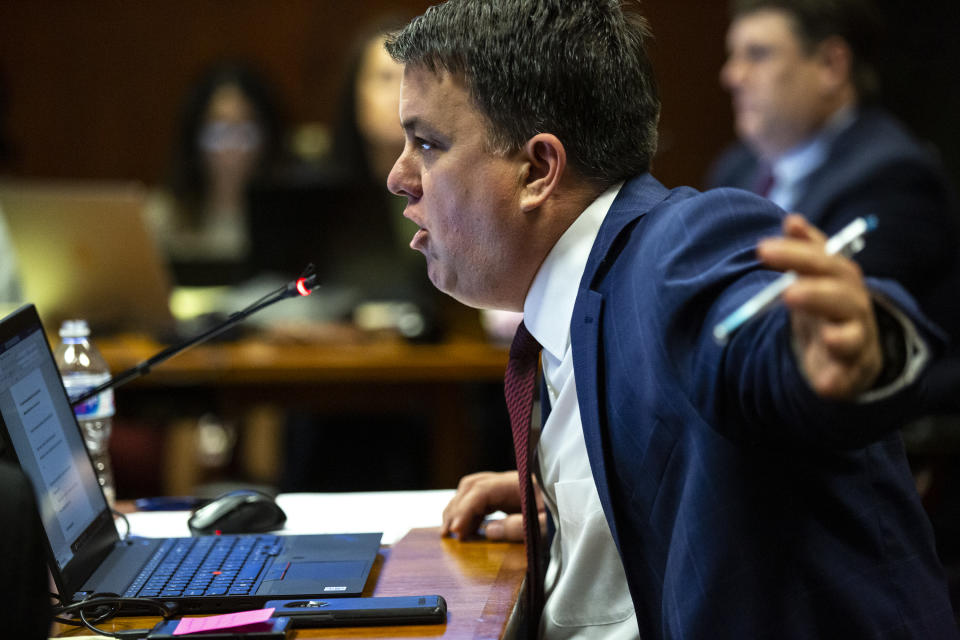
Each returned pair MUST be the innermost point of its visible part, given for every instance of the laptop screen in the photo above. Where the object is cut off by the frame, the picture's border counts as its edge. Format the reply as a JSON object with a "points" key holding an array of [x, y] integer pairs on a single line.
{"points": [[43, 432]]}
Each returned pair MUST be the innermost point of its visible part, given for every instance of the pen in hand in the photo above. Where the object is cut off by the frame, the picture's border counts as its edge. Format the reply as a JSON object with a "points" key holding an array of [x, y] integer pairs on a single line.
{"points": [[846, 242]]}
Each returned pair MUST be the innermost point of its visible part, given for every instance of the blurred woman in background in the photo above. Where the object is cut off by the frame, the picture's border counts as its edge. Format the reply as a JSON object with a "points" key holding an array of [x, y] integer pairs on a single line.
{"points": [[230, 137]]}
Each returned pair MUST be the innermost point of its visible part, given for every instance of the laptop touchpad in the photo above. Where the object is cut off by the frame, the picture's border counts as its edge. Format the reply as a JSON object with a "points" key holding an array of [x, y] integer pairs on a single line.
{"points": [[336, 577]]}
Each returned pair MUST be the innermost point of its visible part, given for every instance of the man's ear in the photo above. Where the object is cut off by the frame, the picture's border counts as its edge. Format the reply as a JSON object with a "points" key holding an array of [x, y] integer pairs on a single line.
{"points": [[836, 60], [546, 162]]}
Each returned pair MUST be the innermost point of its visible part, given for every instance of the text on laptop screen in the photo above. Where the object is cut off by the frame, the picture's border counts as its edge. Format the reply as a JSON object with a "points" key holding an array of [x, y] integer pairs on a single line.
{"points": [[47, 441]]}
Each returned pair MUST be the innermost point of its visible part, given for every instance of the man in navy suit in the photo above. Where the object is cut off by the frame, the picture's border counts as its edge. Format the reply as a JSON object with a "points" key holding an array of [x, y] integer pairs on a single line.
{"points": [[755, 488]]}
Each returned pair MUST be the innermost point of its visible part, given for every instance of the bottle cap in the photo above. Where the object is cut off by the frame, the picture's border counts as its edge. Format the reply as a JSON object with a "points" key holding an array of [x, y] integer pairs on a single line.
{"points": [[74, 329]]}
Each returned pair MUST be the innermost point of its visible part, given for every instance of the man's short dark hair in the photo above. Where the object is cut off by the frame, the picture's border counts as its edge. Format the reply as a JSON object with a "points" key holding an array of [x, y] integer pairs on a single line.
{"points": [[855, 21], [575, 68]]}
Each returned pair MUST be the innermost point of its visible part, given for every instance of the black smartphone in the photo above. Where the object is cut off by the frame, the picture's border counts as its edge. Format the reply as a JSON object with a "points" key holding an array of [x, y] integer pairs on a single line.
{"points": [[348, 612], [273, 629]]}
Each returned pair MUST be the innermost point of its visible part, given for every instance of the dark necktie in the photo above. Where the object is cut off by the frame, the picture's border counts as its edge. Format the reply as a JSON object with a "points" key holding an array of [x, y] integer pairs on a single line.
{"points": [[519, 384], [763, 183]]}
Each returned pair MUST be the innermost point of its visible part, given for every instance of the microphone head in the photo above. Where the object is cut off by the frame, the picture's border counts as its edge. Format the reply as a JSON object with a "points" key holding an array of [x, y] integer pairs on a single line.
{"points": [[305, 284], [304, 288]]}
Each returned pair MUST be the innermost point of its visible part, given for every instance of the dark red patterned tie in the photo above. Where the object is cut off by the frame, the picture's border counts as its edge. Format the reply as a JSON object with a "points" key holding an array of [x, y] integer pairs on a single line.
{"points": [[519, 384], [764, 181]]}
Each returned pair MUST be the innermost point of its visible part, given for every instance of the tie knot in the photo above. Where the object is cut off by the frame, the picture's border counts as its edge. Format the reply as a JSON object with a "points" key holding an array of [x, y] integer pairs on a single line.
{"points": [[524, 347]]}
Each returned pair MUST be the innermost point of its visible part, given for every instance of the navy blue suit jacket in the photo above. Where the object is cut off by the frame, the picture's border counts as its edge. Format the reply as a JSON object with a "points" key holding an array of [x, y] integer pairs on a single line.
{"points": [[875, 167], [742, 504]]}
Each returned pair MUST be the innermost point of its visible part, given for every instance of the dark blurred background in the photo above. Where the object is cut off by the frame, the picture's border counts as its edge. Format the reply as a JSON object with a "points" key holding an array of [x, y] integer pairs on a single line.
{"points": [[88, 88]]}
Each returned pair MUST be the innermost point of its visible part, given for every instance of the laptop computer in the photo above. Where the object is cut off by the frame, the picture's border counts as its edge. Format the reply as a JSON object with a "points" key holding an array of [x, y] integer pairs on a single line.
{"points": [[85, 553], [84, 251]]}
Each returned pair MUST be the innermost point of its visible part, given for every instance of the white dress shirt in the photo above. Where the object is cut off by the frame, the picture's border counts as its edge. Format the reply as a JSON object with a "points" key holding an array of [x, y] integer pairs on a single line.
{"points": [[586, 587]]}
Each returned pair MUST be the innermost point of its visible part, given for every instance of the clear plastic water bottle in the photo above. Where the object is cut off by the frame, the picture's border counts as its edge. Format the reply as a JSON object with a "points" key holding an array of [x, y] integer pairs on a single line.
{"points": [[83, 368]]}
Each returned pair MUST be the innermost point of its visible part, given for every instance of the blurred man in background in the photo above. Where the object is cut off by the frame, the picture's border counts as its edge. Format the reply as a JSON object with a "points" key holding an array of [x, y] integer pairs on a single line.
{"points": [[805, 90], [813, 140]]}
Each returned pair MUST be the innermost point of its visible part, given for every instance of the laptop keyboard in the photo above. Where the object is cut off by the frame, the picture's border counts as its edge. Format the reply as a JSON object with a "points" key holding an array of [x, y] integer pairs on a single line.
{"points": [[205, 566]]}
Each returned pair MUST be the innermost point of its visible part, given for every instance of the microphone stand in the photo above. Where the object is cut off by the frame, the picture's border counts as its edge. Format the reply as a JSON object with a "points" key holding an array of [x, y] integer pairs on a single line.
{"points": [[302, 286]]}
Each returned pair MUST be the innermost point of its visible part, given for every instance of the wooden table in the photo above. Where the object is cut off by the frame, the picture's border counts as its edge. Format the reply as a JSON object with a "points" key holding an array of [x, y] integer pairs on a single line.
{"points": [[481, 582], [369, 359], [373, 375]]}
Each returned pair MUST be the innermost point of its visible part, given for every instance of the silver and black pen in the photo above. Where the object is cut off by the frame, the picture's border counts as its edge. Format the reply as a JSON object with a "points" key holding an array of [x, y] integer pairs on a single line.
{"points": [[847, 242]]}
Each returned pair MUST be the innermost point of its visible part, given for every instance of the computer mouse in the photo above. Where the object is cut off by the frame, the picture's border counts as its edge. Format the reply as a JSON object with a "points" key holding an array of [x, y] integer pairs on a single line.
{"points": [[242, 511]]}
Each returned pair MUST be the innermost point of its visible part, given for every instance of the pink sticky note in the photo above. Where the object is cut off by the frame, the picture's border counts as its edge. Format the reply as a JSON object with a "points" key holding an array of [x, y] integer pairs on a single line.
{"points": [[224, 621]]}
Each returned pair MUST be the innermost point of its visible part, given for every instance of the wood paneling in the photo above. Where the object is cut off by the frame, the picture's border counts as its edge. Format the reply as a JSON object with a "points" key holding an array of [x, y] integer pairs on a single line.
{"points": [[94, 85]]}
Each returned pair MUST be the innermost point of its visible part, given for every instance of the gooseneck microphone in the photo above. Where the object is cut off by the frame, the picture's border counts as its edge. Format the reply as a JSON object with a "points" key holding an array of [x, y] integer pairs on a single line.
{"points": [[302, 286]]}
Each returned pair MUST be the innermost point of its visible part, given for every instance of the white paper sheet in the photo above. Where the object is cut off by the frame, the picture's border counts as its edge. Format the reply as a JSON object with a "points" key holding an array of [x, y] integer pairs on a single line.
{"points": [[392, 512]]}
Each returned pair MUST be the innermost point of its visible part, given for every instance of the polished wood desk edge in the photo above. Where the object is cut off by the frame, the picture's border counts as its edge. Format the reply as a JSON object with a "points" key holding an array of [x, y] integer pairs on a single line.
{"points": [[499, 607], [500, 617]]}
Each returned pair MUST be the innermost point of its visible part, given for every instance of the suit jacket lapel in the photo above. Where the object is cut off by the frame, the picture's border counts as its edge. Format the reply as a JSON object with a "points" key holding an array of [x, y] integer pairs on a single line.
{"points": [[635, 198], [833, 174]]}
